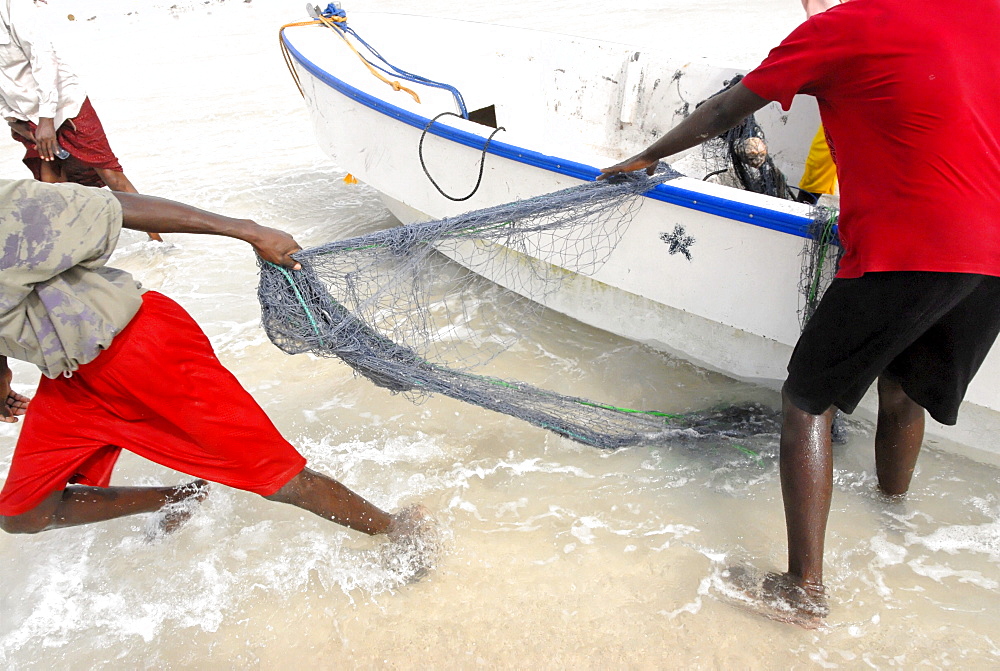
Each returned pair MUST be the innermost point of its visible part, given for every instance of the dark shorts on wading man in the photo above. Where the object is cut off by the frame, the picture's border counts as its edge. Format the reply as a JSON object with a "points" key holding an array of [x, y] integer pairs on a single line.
{"points": [[928, 331]]}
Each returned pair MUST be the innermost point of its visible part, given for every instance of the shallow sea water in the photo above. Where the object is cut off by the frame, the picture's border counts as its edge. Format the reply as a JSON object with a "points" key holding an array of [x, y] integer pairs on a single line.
{"points": [[555, 555]]}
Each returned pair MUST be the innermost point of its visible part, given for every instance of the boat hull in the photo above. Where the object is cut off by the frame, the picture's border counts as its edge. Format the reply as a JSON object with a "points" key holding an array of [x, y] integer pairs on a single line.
{"points": [[733, 308]]}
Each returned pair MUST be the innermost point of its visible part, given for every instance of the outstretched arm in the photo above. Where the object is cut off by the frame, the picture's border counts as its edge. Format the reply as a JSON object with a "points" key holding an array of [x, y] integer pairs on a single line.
{"points": [[713, 118], [159, 215]]}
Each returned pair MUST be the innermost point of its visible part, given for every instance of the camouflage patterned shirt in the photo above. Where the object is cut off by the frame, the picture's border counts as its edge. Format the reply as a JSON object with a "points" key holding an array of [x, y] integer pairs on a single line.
{"points": [[59, 304]]}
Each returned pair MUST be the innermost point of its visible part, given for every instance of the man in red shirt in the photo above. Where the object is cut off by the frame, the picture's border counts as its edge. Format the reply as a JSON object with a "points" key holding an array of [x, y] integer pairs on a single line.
{"points": [[908, 91]]}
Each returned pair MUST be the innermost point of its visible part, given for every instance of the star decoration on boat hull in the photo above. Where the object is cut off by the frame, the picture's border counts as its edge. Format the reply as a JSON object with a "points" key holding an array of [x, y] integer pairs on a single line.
{"points": [[680, 242]]}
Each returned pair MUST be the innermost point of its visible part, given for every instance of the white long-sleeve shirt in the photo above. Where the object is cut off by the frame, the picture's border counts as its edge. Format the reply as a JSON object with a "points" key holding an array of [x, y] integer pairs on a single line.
{"points": [[34, 82]]}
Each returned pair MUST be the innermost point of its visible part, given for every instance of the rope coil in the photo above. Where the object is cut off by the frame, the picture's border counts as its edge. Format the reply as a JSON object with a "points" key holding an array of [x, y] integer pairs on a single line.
{"points": [[482, 158]]}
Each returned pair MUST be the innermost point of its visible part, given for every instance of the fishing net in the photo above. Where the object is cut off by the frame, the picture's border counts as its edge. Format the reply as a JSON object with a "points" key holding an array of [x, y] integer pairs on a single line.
{"points": [[820, 259], [740, 154], [740, 158], [408, 308]]}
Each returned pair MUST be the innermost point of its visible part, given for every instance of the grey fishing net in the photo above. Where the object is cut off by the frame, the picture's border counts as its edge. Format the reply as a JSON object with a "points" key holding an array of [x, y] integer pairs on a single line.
{"points": [[740, 157], [408, 307], [820, 259]]}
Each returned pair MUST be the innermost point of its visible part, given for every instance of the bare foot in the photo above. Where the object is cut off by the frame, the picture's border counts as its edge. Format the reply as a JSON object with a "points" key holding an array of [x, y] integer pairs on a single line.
{"points": [[409, 521], [414, 543], [182, 502], [778, 596]]}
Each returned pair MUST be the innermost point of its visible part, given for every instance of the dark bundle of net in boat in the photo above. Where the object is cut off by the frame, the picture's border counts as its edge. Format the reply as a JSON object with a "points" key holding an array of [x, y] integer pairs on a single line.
{"points": [[409, 308], [741, 154]]}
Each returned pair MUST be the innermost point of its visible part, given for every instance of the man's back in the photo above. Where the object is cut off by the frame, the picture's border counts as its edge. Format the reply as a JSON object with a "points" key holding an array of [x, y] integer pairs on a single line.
{"points": [[908, 91]]}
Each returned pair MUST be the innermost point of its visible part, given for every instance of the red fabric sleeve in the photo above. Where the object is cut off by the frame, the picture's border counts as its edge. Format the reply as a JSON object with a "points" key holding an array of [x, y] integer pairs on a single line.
{"points": [[801, 63]]}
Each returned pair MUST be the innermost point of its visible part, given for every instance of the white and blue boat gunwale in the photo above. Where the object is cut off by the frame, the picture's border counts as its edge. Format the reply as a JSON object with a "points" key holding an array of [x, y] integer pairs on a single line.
{"points": [[774, 219]]}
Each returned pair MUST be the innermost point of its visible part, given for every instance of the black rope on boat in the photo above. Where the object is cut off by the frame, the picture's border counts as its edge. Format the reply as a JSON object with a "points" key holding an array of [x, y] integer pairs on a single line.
{"points": [[482, 159]]}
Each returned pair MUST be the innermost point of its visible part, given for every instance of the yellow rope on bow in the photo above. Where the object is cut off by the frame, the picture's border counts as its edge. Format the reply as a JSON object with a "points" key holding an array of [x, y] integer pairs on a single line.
{"points": [[331, 23]]}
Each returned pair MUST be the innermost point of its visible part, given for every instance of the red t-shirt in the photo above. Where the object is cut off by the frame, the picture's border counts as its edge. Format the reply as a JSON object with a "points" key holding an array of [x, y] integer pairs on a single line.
{"points": [[909, 92]]}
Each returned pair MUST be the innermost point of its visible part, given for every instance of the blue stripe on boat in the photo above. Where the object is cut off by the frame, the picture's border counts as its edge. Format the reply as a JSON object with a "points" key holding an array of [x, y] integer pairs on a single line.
{"points": [[694, 200]]}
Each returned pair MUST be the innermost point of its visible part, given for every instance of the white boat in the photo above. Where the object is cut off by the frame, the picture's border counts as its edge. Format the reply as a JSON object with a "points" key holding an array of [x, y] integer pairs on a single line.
{"points": [[568, 106]]}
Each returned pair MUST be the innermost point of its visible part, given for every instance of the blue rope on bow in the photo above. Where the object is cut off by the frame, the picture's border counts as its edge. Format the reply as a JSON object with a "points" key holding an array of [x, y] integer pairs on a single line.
{"points": [[332, 10]]}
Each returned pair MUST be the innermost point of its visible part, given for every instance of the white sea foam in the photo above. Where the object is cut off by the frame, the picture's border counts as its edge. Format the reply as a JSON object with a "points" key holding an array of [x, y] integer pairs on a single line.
{"points": [[979, 538]]}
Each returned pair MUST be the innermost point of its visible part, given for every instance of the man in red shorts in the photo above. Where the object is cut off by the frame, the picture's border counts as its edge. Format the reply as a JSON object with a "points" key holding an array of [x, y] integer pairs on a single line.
{"points": [[48, 110], [907, 91], [123, 369]]}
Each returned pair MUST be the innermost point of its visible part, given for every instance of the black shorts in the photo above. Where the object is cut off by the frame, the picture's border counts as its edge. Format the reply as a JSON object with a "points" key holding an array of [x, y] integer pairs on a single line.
{"points": [[928, 331]]}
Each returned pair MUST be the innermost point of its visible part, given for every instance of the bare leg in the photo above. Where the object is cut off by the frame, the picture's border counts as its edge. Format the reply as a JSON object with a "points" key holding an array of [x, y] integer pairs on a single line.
{"points": [[50, 173], [85, 505], [117, 181], [806, 487], [331, 500], [412, 533], [898, 436], [806, 463]]}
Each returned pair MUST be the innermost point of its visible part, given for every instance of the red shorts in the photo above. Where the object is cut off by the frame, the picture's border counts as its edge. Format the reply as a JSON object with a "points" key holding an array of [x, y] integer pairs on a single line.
{"points": [[84, 138], [160, 392]]}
